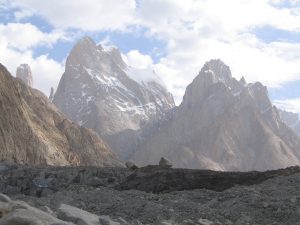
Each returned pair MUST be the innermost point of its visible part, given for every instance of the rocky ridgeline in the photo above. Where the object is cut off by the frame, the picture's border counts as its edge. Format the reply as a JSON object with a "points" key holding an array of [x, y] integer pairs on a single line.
{"points": [[148, 195], [34, 131], [291, 119]]}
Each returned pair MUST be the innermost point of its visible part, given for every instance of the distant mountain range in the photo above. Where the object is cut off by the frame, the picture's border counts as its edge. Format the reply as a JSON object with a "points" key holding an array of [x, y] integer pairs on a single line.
{"points": [[222, 123]]}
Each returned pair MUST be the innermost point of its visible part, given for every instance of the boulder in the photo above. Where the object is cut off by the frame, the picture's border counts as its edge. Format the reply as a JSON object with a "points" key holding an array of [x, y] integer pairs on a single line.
{"points": [[77, 216], [4, 198], [131, 165], [20, 213], [164, 162]]}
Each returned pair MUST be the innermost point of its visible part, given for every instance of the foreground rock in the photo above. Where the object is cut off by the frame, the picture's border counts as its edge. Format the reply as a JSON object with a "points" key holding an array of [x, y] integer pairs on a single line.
{"points": [[187, 197], [34, 131], [165, 163], [19, 212], [77, 216]]}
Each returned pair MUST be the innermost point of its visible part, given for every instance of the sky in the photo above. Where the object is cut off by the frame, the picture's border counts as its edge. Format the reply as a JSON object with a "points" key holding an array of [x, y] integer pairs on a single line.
{"points": [[258, 39]]}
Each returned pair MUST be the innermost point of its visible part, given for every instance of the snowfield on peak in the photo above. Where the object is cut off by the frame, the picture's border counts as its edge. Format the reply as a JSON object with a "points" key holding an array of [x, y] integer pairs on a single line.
{"points": [[143, 76]]}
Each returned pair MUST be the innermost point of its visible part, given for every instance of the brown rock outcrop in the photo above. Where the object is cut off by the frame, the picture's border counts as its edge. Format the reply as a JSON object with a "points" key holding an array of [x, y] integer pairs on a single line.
{"points": [[33, 131]]}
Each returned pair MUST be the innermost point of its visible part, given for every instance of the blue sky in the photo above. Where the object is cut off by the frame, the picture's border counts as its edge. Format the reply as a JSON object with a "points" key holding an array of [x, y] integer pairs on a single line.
{"points": [[258, 39], [271, 34]]}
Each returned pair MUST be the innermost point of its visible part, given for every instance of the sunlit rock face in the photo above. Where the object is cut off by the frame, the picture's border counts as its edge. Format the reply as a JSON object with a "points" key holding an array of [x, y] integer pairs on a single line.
{"points": [[33, 131]]}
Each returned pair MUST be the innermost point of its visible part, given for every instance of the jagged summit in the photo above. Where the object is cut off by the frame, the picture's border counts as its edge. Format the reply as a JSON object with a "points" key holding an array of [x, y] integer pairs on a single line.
{"points": [[215, 76], [86, 41], [115, 53], [243, 81], [218, 70], [87, 55]]}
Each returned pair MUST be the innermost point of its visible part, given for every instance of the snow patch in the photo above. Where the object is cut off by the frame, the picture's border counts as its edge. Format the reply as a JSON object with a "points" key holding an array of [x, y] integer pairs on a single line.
{"points": [[209, 71], [141, 110], [143, 76]]}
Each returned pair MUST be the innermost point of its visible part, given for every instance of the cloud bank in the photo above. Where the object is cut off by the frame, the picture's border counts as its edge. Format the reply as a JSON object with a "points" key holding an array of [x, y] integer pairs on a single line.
{"points": [[194, 32]]}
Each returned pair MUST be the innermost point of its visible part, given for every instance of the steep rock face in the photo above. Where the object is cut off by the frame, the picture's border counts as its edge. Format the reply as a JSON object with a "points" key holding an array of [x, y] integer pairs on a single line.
{"points": [[24, 73], [33, 131], [99, 91], [291, 119], [222, 124]]}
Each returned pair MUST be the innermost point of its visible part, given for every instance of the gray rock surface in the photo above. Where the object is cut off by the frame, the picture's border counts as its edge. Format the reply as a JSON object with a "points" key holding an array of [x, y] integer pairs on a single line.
{"points": [[222, 124], [99, 91], [20, 213], [189, 196], [77, 216], [24, 73], [34, 131], [291, 119]]}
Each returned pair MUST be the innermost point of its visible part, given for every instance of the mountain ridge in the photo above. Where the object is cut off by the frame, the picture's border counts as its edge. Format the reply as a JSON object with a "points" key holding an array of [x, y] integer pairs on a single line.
{"points": [[33, 131], [222, 124], [97, 91]]}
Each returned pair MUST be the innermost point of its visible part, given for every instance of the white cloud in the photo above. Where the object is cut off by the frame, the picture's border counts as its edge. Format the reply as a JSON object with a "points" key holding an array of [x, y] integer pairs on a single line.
{"points": [[46, 72], [195, 31], [23, 36], [106, 43], [290, 105], [17, 42], [92, 15], [138, 60]]}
